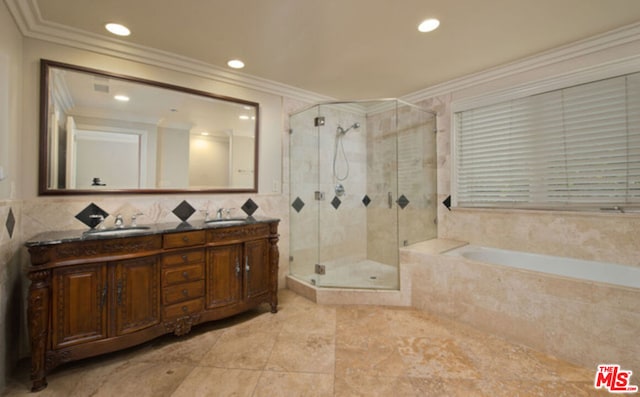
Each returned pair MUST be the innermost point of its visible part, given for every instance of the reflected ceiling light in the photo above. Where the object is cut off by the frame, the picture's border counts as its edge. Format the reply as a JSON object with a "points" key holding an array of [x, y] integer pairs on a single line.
{"points": [[204, 133], [244, 117], [429, 25], [121, 98], [118, 29], [236, 64]]}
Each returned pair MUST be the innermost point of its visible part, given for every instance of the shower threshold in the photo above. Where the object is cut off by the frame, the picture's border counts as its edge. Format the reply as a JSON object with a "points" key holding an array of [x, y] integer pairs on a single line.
{"points": [[353, 282], [362, 274]]}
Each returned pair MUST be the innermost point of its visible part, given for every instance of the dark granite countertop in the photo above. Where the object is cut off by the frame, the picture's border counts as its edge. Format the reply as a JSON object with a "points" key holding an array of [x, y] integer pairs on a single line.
{"points": [[67, 236]]}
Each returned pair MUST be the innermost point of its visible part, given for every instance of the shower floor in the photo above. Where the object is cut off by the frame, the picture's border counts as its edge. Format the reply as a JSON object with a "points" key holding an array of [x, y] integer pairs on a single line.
{"points": [[362, 273]]}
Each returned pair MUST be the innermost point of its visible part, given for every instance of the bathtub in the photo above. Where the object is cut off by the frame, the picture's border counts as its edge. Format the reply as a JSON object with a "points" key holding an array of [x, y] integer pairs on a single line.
{"points": [[603, 272], [584, 312]]}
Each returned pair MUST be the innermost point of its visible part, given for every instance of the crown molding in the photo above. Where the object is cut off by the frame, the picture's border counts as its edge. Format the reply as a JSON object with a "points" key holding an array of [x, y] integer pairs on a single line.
{"points": [[626, 34], [31, 24]]}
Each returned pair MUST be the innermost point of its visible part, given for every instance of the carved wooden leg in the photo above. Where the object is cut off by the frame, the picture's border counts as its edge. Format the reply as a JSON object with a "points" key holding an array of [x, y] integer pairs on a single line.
{"points": [[275, 258], [38, 318]]}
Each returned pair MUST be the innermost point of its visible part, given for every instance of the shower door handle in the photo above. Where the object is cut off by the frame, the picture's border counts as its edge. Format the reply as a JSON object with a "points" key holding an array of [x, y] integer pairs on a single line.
{"points": [[390, 198]]}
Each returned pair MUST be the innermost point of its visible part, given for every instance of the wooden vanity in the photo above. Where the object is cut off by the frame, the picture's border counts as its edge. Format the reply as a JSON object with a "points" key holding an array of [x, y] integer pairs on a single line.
{"points": [[92, 296]]}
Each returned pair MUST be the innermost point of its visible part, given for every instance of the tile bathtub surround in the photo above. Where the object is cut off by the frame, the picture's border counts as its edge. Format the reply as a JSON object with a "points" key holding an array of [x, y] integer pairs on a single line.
{"points": [[584, 322], [313, 350]]}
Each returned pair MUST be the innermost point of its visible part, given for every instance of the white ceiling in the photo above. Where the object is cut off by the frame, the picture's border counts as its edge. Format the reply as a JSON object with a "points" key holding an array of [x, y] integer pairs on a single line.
{"points": [[350, 49]]}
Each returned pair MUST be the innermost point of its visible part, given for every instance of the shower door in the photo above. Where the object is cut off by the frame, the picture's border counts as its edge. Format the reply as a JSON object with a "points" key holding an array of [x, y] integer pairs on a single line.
{"points": [[304, 195], [362, 184], [357, 213]]}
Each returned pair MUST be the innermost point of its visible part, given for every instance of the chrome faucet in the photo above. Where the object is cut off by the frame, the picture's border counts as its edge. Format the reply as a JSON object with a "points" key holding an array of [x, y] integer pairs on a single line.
{"points": [[119, 222], [134, 219], [219, 213], [206, 214]]}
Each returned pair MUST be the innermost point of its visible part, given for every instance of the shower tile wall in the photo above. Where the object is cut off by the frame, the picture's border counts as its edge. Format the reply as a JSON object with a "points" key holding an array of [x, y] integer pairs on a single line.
{"points": [[342, 235], [415, 166], [303, 182], [417, 169], [338, 229]]}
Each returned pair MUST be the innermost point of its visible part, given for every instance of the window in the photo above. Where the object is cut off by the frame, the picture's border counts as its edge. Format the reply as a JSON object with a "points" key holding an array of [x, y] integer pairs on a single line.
{"points": [[574, 148]]}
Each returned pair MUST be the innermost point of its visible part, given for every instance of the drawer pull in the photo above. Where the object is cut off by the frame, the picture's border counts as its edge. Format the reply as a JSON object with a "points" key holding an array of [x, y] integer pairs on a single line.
{"points": [[185, 309], [184, 258], [185, 292], [185, 275], [185, 239]]}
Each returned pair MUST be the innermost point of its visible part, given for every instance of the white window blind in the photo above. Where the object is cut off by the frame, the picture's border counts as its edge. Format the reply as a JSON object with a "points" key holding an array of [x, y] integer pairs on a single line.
{"points": [[577, 147]]}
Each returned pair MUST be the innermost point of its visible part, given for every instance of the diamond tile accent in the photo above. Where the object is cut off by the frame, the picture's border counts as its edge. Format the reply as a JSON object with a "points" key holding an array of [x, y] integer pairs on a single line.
{"points": [[84, 216], [249, 207], [366, 200], [336, 202], [447, 202], [297, 204], [184, 210], [402, 201], [10, 223]]}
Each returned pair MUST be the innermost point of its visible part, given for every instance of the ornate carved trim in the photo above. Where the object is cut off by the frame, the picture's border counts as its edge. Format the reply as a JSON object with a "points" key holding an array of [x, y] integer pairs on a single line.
{"points": [[38, 316], [238, 232], [55, 358], [39, 255], [75, 250], [182, 325]]}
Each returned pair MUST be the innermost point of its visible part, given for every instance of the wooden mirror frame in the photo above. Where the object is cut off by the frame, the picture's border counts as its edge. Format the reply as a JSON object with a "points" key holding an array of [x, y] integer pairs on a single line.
{"points": [[44, 154]]}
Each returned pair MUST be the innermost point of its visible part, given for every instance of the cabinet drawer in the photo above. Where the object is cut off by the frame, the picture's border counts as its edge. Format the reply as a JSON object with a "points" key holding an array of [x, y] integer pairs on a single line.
{"points": [[183, 309], [183, 292], [185, 239], [181, 274], [183, 258]]}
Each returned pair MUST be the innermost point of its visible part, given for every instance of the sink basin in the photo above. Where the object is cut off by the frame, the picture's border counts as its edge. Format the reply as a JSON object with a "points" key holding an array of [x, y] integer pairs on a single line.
{"points": [[226, 222], [124, 231]]}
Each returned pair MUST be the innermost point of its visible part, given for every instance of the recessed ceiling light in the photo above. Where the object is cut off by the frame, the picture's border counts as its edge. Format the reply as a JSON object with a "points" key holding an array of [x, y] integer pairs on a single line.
{"points": [[121, 98], [118, 29], [243, 117], [236, 64], [204, 133], [429, 25]]}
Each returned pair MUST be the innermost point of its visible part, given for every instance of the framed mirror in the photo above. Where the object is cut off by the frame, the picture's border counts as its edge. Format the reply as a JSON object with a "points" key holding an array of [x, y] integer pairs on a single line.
{"points": [[107, 133]]}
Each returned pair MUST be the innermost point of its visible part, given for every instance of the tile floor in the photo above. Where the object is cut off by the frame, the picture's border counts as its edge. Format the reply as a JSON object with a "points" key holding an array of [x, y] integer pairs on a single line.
{"points": [[311, 350]]}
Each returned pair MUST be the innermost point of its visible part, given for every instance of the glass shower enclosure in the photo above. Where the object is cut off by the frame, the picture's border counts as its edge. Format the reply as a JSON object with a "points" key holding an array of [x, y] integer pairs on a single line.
{"points": [[362, 184]]}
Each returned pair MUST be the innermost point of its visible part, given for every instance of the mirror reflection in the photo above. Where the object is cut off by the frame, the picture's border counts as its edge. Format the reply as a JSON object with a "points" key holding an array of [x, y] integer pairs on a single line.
{"points": [[106, 133]]}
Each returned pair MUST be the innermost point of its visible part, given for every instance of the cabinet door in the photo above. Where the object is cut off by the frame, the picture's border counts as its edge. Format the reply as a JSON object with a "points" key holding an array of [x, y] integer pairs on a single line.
{"points": [[224, 275], [257, 274], [137, 294], [79, 304]]}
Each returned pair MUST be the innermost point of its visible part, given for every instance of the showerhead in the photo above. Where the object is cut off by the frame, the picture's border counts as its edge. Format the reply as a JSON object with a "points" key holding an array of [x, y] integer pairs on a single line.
{"points": [[343, 131]]}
